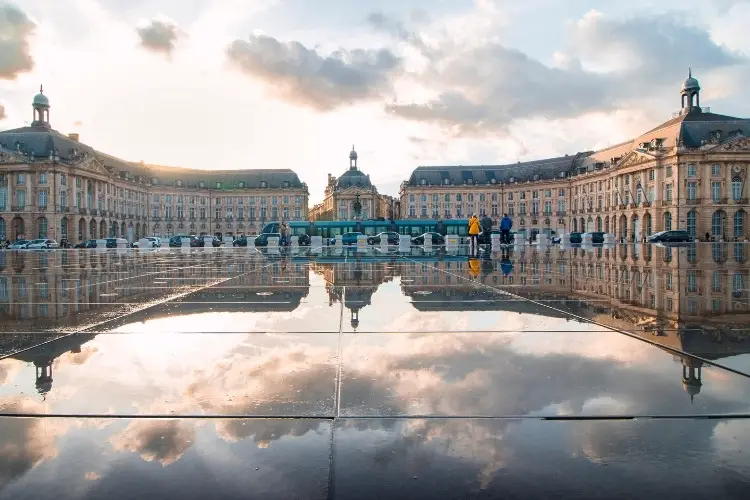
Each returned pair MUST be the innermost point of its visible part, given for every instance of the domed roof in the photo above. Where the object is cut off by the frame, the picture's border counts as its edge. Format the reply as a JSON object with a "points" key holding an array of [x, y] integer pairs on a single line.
{"points": [[353, 154], [353, 178], [40, 99], [691, 83]]}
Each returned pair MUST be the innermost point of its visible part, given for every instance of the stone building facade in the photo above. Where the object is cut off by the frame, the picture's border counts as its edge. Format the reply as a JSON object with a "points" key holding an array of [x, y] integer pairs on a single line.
{"points": [[342, 193], [52, 185], [688, 173]]}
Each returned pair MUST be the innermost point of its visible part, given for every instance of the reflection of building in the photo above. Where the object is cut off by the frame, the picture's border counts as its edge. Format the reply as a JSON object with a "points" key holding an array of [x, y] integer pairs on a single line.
{"points": [[54, 186], [690, 173], [352, 187]]}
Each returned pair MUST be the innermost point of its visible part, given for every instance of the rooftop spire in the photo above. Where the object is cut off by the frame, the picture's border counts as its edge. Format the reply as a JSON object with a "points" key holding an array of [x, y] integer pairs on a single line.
{"points": [[41, 88]]}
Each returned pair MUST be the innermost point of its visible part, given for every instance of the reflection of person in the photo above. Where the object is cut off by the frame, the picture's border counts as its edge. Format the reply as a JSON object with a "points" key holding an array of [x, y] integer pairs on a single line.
{"points": [[473, 233], [506, 266], [474, 267], [505, 226]]}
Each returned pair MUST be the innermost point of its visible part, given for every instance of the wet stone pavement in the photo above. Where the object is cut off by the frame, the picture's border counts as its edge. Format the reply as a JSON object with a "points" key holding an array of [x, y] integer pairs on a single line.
{"points": [[527, 373]]}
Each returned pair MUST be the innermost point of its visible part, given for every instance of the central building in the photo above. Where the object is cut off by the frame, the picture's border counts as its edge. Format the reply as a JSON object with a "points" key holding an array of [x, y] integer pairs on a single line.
{"points": [[352, 197]]}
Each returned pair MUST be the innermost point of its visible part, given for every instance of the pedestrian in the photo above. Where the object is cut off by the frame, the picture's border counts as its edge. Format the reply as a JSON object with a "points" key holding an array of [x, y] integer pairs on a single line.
{"points": [[486, 223], [473, 233], [505, 226], [282, 233]]}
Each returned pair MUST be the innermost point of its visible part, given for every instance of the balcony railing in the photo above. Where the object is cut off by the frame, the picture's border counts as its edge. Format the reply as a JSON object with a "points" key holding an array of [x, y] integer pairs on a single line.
{"points": [[666, 203], [18, 208], [561, 213], [81, 210], [693, 202], [646, 204], [740, 201], [719, 201]]}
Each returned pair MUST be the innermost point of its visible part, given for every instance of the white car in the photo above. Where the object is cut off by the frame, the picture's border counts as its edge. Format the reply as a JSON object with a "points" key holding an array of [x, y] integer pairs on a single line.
{"points": [[43, 243], [155, 242]]}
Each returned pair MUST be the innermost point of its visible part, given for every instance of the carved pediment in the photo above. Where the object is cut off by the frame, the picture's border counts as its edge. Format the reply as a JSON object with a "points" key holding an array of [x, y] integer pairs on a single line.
{"points": [[9, 157], [740, 144], [92, 165], [634, 158]]}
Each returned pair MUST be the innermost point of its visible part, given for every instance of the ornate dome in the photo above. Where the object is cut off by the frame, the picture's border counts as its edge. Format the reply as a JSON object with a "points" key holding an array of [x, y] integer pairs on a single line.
{"points": [[691, 83], [353, 154], [40, 99], [353, 178]]}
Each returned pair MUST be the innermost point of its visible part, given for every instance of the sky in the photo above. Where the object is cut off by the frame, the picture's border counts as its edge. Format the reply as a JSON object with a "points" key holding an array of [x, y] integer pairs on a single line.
{"points": [[229, 84]]}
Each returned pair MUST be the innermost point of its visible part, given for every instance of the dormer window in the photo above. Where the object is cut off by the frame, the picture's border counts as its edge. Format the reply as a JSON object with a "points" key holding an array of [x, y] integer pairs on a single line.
{"points": [[536, 177], [154, 181], [512, 179], [178, 183], [241, 184], [717, 135], [492, 181], [263, 184], [423, 182], [286, 184], [218, 185], [446, 181], [201, 184]]}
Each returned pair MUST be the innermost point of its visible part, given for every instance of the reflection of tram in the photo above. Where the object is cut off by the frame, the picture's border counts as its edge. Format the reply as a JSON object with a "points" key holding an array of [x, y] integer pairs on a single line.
{"points": [[411, 227]]}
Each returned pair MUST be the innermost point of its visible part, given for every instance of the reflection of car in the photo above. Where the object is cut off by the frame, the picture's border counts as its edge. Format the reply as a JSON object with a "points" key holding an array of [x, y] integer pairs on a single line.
{"points": [[391, 237], [346, 238], [437, 239], [676, 236], [117, 242], [155, 242], [42, 243], [19, 244], [576, 238]]}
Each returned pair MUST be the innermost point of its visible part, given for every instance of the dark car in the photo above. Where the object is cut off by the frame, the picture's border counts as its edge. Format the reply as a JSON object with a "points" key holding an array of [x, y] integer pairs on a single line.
{"points": [[176, 241], [597, 237], [576, 238], [86, 244], [262, 239], [437, 239], [391, 237], [485, 237], [346, 238], [676, 236]]}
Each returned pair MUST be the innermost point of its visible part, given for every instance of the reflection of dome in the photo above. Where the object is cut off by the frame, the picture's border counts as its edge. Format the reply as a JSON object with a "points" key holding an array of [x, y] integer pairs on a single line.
{"points": [[692, 387], [353, 178], [355, 322]]}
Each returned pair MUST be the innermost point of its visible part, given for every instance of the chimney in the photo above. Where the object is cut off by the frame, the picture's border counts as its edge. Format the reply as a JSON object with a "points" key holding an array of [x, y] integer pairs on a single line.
{"points": [[73, 136]]}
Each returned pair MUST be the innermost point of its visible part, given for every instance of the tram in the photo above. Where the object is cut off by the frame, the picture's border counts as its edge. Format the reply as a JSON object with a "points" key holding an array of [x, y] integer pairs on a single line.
{"points": [[370, 227]]}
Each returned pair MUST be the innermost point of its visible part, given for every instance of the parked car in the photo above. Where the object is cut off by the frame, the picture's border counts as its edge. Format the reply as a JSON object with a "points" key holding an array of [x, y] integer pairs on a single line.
{"points": [[19, 244], [42, 243], [262, 239], [676, 236], [437, 239], [117, 242], [597, 237], [155, 241], [391, 237], [576, 238], [86, 244], [346, 238]]}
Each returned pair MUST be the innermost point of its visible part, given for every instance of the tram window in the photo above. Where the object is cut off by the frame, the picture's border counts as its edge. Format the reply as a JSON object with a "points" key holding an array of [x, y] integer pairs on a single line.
{"points": [[416, 230], [299, 231], [451, 229], [428, 229]]}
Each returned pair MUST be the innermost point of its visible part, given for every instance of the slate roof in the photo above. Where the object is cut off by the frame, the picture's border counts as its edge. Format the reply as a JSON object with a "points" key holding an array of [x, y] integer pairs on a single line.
{"points": [[353, 178], [36, 142], [485, 174]]}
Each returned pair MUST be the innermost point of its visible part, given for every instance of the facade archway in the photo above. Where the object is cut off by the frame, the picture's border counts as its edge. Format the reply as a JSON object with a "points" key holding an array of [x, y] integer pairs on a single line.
{"points": [[692, 224], [606, 224], [3, 230], [64, 228], [92, 229], [598, 223], [575, 225], [718, 224], [623, 227], [103, 231], [667, 221], [42, 227], [123, 230], [738, 224], [82, 230], [19, 228], [137, 235], [635, 228], [647, 224], [113, 230]]}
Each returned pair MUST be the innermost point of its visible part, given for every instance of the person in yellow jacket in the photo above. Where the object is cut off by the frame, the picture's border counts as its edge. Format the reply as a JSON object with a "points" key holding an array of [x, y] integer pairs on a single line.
{"points": [[473, 233]]}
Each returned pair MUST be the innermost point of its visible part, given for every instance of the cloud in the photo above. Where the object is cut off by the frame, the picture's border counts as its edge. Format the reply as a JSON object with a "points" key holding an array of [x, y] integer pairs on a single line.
{"points": [[15, 30], [2, 112], [301, 75], [482, 89], [162, 440], [158, 34], [78, 123]]}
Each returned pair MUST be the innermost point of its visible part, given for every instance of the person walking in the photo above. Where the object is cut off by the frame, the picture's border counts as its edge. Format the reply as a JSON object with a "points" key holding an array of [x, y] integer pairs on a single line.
{"points": [[473, 233], [505, 225]]}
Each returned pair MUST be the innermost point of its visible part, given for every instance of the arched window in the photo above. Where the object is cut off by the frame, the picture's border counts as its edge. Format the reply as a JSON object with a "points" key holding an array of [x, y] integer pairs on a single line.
{"points": [[42, 226], [738, 284], [691, 221], [667, 221], [64, 228], [3, 228], [717, 224], [739, 224]]}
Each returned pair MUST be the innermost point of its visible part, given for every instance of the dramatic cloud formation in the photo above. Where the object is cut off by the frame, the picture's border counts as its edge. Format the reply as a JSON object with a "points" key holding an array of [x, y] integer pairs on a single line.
{"points": [[162, 440], [487, 87], [158, 35], [15, 30], [301, 75]]}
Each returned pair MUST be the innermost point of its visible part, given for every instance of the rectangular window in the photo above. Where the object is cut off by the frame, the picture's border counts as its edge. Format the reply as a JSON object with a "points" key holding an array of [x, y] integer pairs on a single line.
{"points": [[668, 194], [286, 213], [522, 209], [691, 191], [547, 207], [297, 213], [548, 193], [736, 190], [669, 171], [63, 180], [495, 210], [535, 194], [42, 177], [715, 191], [21, 179], [251, 213], [43, 199], [191, 213], [651, 174], [561, 206], [691, 170], [715, 170], [691, 281], [510, 196]]}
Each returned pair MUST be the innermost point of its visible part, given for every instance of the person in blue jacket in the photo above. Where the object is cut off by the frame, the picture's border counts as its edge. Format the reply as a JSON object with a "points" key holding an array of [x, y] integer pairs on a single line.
{"points": [[505, 225]]}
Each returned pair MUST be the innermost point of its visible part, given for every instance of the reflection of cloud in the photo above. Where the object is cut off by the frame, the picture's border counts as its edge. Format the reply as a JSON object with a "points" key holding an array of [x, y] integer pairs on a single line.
{"points": [[92, 476], [25, 442], [162, 440], [9, 368], [79, 358]]}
